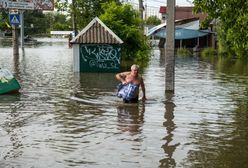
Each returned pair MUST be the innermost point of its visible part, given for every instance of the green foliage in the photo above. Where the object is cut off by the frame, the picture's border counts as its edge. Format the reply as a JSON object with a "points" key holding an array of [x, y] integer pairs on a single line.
{"points": [[183, 52], [83, 10], [125, 22], [233, 16], [58, 21], [4, 20], [37, 22], [232, 66], [153, 20]]}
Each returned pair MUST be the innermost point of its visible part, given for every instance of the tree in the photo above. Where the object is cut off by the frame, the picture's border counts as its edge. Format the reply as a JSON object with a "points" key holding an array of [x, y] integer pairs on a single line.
{"points": [[84, 10], [232, 30], [153, 20], [58, 21], [35, 22], [4, 20], [125, 22]]}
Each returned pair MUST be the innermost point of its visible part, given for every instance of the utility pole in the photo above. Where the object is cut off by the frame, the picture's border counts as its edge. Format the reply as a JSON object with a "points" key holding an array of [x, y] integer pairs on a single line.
{"points": [[170, 48], [146, 10], [74, 24], [15, 41], [141, 9], [22, 29]]}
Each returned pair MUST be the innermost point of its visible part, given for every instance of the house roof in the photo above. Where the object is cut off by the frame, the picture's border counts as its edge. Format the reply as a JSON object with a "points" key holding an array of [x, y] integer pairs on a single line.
{"points": [[96, 32], [183, 33], [163, 9], [184, 29], [190, 23], [183, 12]]}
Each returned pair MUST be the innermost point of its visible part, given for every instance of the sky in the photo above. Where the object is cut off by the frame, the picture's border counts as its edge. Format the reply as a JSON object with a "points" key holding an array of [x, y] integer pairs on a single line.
{"points": [[153, 6], [158, 3]]}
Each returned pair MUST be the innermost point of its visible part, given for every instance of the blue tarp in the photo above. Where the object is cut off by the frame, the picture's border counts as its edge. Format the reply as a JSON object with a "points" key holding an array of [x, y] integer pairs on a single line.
{"points": [[182, 33]]}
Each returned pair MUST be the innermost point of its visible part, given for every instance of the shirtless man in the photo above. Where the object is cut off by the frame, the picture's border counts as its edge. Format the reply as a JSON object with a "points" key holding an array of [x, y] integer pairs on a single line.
{"points": [[133, 77]]}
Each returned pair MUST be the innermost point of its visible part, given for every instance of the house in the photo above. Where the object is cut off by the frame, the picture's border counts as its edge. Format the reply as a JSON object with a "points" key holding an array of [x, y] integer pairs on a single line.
{"points": [[96, 49], [187, 29], [187, 34], [181, 13]]}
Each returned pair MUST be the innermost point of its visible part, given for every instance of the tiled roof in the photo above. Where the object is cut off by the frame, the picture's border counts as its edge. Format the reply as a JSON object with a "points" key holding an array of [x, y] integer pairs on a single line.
{"points": [[96, 32]]}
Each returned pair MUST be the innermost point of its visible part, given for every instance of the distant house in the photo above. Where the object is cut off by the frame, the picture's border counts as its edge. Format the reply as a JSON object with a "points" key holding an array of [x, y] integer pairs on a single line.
{"points": [[181, 13], [96, 49], [187, 34]]}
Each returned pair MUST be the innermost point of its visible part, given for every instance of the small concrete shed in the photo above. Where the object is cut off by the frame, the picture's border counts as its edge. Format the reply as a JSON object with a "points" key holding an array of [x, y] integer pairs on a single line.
{"points": [[96, 49]]}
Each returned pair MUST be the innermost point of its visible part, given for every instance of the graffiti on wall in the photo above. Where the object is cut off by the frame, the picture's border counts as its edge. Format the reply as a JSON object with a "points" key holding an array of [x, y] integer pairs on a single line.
{"points": [[100, 56]]}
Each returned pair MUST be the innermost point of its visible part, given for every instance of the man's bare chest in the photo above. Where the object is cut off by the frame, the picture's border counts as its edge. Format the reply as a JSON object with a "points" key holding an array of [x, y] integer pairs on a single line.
{"points": [[132, 79]]}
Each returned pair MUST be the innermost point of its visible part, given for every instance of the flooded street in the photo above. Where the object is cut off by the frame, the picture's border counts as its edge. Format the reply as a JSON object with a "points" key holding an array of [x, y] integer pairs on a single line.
{"points": [[66, 119]]}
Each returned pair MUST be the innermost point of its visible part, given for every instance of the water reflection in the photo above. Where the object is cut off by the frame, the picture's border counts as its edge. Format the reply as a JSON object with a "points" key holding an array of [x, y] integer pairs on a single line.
{"points": [[16, 66], [10, 98], [96, 88], [131, 118], [65, 119], [11, 129], [170, 126], [229, 66]]}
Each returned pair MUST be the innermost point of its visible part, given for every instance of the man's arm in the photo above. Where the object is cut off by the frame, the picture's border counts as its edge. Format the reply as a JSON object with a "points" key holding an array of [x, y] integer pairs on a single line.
{"points": [[122, 77], [143, 89]]}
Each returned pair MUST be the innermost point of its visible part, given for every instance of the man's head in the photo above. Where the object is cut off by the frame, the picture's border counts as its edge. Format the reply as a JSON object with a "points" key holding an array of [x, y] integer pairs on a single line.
{"points": [[135, 69]]}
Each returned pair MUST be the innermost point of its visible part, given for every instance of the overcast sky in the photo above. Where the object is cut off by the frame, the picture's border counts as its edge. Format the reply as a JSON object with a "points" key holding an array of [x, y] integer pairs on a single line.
{"points": [[158, 3]]}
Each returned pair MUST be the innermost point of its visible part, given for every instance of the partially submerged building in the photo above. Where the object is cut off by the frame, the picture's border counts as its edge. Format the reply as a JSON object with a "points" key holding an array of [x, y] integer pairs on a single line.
{"points": [[187, 34], [182, 12], [96, 49]]}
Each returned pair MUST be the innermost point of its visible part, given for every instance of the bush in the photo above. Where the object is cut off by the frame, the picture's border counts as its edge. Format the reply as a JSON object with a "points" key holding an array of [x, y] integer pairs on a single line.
{"points": [[125, 22]]}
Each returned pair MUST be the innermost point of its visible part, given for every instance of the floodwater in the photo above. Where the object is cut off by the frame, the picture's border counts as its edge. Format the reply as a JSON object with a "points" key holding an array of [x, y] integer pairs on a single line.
{"points": [[65, 119]]}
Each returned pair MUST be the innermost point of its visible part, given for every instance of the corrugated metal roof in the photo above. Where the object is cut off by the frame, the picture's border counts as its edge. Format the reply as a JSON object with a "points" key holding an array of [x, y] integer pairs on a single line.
{"points": [[96, 32], [189, 23]]}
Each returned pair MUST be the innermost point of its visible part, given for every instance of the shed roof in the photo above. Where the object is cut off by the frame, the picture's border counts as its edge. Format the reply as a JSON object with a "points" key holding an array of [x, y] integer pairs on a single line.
{"points": [[96, 32]]}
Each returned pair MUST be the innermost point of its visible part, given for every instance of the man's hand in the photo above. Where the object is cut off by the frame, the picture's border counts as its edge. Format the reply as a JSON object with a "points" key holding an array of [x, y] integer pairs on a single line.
{"points": [[124, 82], [144, 98]]}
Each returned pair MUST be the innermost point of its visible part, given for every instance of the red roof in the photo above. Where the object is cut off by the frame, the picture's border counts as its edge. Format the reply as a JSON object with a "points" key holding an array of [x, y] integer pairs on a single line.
{"points": [[184, 12], [162, 9]]}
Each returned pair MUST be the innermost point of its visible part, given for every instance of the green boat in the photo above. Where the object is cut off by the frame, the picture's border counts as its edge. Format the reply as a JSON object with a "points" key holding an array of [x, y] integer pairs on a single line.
{"points": [[8, 83]]}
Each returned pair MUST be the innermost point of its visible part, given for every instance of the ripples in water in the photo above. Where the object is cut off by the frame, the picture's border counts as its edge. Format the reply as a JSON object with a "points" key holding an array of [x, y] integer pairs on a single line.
{"points": [[65, 119]]}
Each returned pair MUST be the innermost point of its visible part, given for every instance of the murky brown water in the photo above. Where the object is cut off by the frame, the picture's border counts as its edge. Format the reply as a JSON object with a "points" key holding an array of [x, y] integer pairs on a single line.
{"points": [[66, 119]]}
